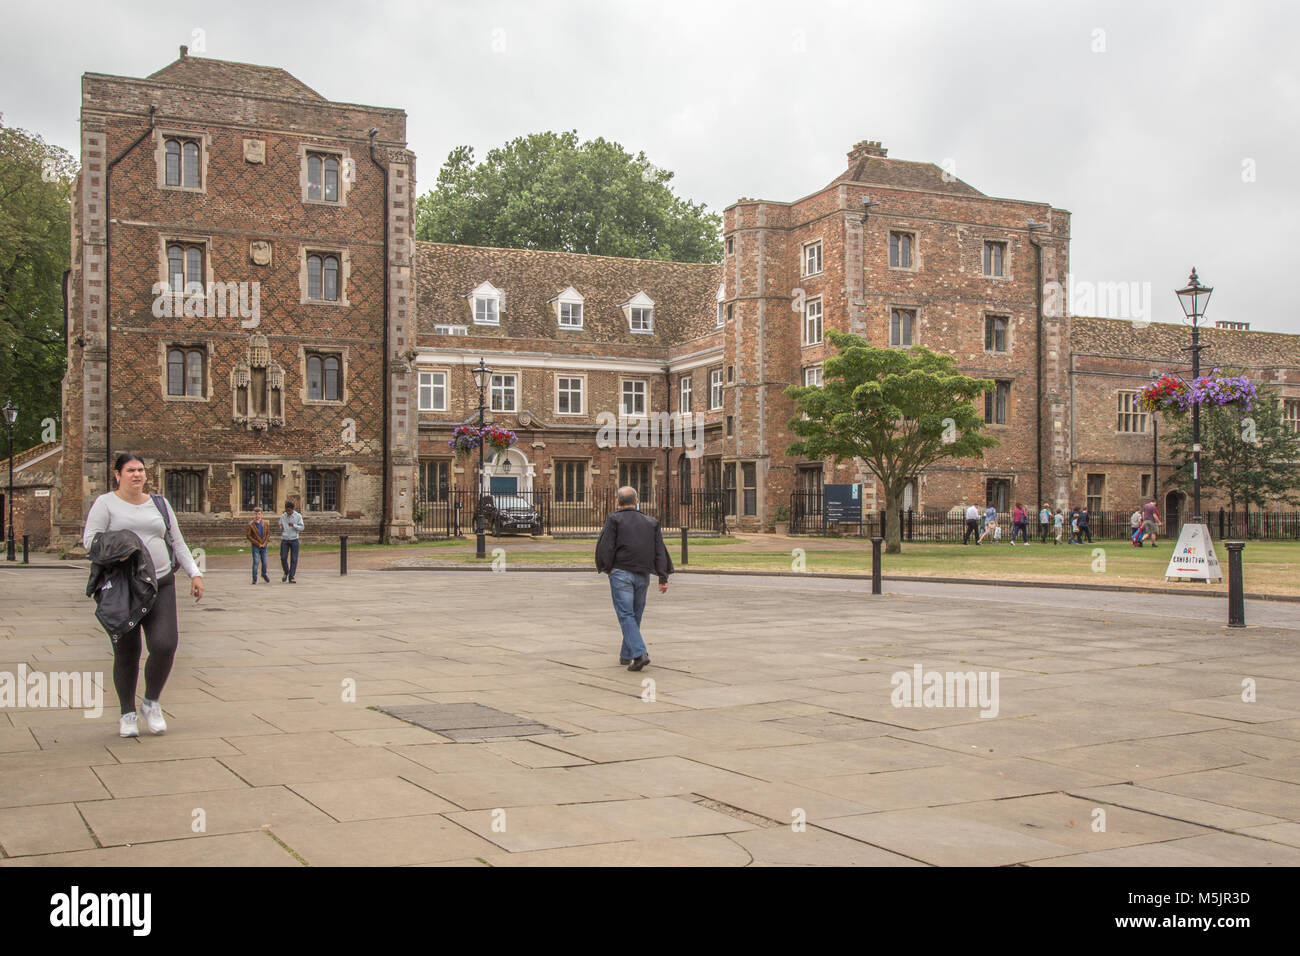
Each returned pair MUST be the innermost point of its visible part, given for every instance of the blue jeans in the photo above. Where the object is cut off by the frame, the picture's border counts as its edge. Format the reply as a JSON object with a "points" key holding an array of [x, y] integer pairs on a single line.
{"points": [[287, 564], [629, 591], [259, 554]]}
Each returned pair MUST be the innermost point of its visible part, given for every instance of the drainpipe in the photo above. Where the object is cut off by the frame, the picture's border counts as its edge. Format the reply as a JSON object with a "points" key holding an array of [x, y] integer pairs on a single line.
{"points": [[108, 301], [1038, 375], [383, 506]]}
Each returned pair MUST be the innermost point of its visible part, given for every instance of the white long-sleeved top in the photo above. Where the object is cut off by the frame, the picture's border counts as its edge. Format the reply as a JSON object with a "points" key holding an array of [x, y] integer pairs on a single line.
{"points": [[111, 513]]}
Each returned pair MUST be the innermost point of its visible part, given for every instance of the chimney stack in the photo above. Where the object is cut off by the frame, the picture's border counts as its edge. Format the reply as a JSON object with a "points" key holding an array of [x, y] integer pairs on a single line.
{"points": [[867, 148], [184, 51]]}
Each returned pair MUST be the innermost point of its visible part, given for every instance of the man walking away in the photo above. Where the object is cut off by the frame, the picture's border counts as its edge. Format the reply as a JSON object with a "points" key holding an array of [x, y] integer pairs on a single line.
{"points": [[1083, 525], [1150, 521], [972, 525], [1045, 522], [630, 548], [290, 528], [258, 532]]}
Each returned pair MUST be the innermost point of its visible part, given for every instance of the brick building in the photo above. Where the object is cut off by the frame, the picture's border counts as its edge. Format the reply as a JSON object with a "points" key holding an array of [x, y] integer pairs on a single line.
{"points": [[268, 328]]}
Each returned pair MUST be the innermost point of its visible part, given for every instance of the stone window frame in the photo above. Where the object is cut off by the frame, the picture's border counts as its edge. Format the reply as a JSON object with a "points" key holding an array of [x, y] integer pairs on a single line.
{"points": [[186, 345], [1006, 337], [916, 326], [279, 482], [685, 395], [806, 376], [346, 178], [445, 372], [202, 469], [650, 471], [721, 299], [821, 321], [441, 465], [451, 330], [1087, 491], [581, 378], [1135, 412], [204, 140], [1291, 404], [342, 471], [804, 250], [587, 475], [914, 253], [1006, 275], [645, 397], [517, 389], [345, 273], [163, 287], [306, 351]]}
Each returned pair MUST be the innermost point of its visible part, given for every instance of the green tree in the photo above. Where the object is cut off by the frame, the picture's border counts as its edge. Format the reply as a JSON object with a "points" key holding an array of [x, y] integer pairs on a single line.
{"points": [[899, 410], [1250, 457], [548, 191], [35, 179]]}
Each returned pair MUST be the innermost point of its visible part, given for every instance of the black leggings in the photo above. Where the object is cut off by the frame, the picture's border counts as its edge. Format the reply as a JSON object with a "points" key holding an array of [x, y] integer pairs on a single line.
{"points": [[161, 635]]}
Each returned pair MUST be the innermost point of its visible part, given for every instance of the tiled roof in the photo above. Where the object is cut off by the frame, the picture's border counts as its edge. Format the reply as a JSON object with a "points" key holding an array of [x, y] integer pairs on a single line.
{"points": [[901, 174], [684, 293], [1166, 342], [241, 77]]}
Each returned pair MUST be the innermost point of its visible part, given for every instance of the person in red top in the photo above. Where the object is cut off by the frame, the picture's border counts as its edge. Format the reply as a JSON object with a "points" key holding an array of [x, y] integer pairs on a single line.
{"points": [[1020, 524], [257, 533], [1150, 522]]}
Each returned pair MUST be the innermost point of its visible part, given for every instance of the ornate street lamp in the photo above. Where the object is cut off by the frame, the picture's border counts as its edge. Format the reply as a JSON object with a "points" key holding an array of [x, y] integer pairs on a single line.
{"points": [[1194, 299], [482, 376], [11, 416]]}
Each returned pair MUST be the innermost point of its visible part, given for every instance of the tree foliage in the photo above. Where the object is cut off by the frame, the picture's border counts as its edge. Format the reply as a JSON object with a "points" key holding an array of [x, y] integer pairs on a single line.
{"points": [[899, 410], [35, 181], [548, 191], [1252, 457]]}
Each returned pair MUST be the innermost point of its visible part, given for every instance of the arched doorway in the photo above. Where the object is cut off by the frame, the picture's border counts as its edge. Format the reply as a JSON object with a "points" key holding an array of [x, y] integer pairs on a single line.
{"points": [[508, 474], [1174, 511]]}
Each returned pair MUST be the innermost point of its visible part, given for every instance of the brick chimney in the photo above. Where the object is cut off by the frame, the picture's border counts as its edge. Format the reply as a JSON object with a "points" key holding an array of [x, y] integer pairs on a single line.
{"points": [[867, 148]]}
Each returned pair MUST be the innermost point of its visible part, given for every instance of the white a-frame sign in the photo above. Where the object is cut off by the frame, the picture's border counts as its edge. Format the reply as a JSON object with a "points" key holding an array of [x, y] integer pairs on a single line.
{"points": [[1194, 558]]}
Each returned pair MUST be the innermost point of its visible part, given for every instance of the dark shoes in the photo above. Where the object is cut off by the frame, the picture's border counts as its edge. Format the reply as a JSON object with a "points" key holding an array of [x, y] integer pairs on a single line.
{"points": [[639, 663], [625, 660], [283, 578]]}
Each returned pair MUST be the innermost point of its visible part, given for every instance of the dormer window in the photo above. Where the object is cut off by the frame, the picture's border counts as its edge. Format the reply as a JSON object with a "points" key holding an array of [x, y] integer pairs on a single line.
{"points": [[640, 310], [722, 310], [568, 308], [486, 302]]}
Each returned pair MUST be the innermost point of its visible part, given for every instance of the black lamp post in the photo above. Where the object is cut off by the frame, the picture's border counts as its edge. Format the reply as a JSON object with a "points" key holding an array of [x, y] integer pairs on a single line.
{"points": [[1194, 298], [482, 375], [11, 416]]}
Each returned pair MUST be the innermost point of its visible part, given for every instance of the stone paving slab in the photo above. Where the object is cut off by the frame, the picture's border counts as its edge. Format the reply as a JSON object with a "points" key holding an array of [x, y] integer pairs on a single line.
{"points": [[778, 707]]}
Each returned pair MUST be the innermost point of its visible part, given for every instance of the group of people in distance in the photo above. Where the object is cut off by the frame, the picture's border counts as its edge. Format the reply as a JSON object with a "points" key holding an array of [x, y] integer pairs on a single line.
{"points": [[983, 526]]}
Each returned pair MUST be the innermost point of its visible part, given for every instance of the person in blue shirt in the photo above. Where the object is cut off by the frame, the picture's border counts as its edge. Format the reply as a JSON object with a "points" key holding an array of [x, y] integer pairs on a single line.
{"points": [[990, 522]]}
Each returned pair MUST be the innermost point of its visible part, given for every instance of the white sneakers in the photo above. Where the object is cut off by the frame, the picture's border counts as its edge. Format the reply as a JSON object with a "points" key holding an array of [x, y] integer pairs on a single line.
{"points": [[153, 716], [128, 725]]}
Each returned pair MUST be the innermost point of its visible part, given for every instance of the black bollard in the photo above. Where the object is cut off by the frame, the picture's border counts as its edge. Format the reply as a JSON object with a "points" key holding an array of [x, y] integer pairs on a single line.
{"points": [[26, 538], [343, 554], [875, 564], [1236, 591], [683, 547]]}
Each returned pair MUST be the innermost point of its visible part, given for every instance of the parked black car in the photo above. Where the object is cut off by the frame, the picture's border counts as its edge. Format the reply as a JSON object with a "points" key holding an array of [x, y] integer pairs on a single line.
{"points": [[511, 514]]}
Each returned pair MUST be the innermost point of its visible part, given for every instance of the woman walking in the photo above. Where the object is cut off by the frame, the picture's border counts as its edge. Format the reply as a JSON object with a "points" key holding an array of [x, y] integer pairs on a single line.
{"points": [[151, 519]]}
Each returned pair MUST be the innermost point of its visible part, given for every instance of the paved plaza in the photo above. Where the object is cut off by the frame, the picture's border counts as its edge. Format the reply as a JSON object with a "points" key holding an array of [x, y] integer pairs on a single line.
{"points": [[763, 732]]}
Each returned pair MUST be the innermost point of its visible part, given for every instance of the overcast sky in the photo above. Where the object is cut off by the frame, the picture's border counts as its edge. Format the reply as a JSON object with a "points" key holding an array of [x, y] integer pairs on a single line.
{"points": [[1168, 130]]}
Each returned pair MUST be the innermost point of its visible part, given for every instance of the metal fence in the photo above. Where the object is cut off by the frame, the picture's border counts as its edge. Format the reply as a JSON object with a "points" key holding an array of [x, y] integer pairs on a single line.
{"points": [[808, 516], [452, 513]]}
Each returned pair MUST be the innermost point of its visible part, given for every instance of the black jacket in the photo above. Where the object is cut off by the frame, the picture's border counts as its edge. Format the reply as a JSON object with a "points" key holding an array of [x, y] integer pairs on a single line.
{"points": [[124, 591], [633, 542]]}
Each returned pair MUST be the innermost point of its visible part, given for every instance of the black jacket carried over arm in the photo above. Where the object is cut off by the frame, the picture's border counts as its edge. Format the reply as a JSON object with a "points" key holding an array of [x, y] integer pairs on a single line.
{"points": [[124, 590], [633, 542]]}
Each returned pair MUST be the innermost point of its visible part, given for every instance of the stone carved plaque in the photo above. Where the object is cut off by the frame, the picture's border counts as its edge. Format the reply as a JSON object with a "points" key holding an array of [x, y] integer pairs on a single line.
{"points": [[255, 150], [260, 252]]}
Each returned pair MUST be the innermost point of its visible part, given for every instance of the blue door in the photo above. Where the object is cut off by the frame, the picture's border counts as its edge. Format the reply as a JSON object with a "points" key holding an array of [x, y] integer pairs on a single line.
{"points": [[504, 486]]}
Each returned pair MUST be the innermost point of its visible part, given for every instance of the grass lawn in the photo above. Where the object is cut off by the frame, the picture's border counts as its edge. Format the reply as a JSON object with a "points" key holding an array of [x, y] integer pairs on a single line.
{"points": [[1269, 566]]}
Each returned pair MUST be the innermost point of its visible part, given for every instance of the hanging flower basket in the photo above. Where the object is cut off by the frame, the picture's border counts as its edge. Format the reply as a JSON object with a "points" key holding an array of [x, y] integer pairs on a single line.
{"points": [[498, 439], [464, 440], [1169, 393]]}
